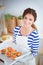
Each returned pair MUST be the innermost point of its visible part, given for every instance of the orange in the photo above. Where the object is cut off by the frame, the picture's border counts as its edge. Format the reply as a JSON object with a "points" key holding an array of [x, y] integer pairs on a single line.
{"points": [[14, 51], [9, 49], [3, 51], [18, 53], [8, 54], [13, 56]]}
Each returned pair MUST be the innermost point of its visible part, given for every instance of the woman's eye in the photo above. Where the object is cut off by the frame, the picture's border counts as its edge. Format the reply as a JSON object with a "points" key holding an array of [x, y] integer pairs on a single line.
{"points": [[30, 19], [25, 17]]}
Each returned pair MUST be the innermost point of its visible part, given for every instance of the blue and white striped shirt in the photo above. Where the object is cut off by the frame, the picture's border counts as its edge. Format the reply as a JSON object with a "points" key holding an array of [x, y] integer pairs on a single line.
{"points": [[33, 39]]}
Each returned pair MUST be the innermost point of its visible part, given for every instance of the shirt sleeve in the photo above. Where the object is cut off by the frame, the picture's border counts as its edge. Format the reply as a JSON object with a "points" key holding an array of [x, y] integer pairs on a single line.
{"points": [[35, 45], [16, 29]]}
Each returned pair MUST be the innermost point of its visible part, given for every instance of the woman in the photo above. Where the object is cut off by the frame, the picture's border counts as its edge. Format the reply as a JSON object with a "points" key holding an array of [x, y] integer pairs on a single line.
{"points": [[30, 31]]}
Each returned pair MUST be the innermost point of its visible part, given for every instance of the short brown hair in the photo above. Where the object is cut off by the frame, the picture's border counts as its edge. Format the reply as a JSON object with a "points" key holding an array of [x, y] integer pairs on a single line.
{"points": [[30, 11]]}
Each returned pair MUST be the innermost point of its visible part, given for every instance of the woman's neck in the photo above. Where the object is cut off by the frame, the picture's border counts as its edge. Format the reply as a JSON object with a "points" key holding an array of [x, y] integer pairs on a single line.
{"points": [[27, 28], [25, 31]]}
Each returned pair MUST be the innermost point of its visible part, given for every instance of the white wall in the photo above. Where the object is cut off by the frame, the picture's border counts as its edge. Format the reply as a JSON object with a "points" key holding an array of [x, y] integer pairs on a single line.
{"points": [[1, 10], [1, 2], [16, 7]]}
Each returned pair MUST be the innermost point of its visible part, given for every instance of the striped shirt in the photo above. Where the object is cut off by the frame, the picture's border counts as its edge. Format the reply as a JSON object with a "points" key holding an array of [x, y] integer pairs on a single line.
{"points": [[33, 39]]}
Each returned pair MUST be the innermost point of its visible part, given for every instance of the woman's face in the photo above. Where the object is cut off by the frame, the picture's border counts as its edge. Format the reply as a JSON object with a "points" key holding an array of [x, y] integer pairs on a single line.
{"points": [[28, 20]]}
